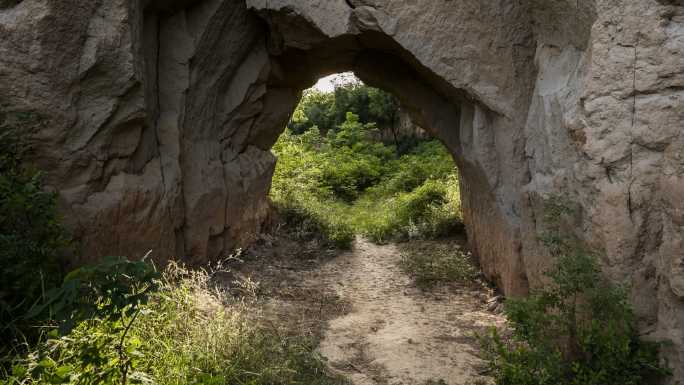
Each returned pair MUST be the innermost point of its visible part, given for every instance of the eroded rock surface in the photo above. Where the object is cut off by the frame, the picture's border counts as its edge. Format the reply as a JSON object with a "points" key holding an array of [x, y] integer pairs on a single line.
{"points": [[160, 115]]}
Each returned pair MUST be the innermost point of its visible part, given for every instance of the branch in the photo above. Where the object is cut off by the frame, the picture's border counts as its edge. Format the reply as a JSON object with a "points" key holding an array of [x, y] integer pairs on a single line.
{"points": [[125, 361]]}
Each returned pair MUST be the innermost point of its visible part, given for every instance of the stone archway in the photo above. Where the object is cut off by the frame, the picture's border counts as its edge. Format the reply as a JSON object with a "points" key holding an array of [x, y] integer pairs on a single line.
{"points": [[161, 115], [282, 49]]}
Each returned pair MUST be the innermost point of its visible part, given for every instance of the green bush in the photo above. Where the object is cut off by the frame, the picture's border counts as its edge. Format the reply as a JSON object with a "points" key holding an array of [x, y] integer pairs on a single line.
{"points": [[89, 341], [352, 162], [427, 160], [109, 290], [31, 236], [301, 197], [431, 210], [577, 330], [310, 218]]}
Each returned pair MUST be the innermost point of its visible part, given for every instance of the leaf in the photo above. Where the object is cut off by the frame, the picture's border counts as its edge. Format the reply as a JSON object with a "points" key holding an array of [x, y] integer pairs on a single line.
{"points": [[19, 371], [46, 363]]}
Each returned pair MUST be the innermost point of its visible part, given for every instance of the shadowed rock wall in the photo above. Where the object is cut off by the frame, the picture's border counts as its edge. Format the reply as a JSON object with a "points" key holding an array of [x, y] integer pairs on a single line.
{"points": [[160, 116]]}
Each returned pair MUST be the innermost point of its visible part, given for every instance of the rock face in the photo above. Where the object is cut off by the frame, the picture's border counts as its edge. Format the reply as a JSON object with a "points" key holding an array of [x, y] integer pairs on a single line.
{"points": [[161, 115]]}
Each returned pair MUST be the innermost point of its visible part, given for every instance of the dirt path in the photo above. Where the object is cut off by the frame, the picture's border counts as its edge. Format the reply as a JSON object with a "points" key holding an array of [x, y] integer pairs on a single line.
{"points": [[377, 326], [395, 333]]}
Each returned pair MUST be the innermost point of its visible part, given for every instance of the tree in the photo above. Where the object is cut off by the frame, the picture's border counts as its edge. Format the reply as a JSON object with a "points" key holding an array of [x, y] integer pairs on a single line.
{"points": [[384, 109], [328, 110], [315, 109]]}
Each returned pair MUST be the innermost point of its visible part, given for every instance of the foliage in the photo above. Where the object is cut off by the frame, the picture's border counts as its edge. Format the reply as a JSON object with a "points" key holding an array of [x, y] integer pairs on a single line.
{"points": [[354, 162], [420, 198], [427, 160], [346, 183], [312, 218], [431, 210], [437, 264], [579, 329], [304, 201], [109, 290], [328, 110], [316, 109], [95, 308], [383, 107], [31, 237], [188, 330], [198, 334]]}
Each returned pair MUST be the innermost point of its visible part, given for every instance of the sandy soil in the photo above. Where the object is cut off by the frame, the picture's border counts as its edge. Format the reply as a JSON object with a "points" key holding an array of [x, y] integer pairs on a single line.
{"points": [[375, 325]]}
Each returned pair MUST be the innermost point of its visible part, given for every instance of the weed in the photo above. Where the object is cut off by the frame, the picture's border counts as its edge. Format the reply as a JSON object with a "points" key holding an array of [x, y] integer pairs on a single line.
{"points": [[430, 210]]}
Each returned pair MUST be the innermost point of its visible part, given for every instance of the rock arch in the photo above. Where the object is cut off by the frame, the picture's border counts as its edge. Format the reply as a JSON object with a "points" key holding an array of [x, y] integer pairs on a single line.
{"points": [[238, 107], [161, 115]]}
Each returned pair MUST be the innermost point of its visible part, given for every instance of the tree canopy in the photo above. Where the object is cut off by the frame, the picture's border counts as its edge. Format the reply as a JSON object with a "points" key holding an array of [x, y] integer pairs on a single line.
{"points": [[328, 110]]}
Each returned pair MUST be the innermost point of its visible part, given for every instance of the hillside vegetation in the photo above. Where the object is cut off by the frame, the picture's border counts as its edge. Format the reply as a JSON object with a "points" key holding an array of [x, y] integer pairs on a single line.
{"points": [[340, 180]]}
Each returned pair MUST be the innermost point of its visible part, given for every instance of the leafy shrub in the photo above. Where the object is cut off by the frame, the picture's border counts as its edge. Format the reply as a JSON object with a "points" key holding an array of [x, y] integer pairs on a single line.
{"points": [[109, 290], [303, 200], [353, 163], [579, 329], [95, 309], [430, 210], [428, 160], [437, 264], [31, 236]]}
